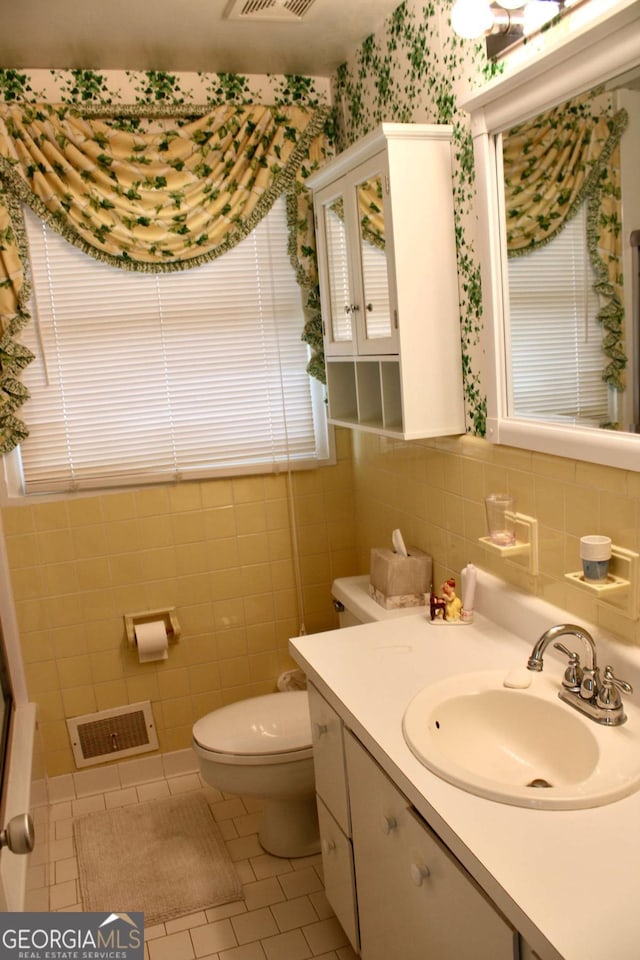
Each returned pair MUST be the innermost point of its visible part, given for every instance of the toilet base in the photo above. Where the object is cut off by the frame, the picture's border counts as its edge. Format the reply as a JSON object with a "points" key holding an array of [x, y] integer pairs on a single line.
{"points": [[289, 827]]}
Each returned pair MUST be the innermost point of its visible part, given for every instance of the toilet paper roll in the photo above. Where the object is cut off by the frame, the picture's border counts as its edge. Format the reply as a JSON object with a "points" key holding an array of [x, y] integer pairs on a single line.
{"points": [[152, 641]]}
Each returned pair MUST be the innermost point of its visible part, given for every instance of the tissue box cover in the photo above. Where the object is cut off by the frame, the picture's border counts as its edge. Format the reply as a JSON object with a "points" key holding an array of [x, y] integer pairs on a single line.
{"points": [[397, 581]]}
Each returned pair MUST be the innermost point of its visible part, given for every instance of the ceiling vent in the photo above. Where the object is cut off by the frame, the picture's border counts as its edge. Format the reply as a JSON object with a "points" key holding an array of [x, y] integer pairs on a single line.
{"points": [[291, 11]]}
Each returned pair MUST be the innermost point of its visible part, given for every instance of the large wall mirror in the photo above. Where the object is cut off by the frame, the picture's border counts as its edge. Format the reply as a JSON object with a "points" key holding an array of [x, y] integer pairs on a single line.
{"points": [[556, 147]]}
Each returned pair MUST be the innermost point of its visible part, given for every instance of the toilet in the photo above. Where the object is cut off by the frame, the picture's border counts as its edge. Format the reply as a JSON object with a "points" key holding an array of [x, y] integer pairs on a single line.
{"points": [[262, 747]]}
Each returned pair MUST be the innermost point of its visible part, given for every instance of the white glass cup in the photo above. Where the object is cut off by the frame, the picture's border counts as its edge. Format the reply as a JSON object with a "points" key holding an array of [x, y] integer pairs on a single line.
{"points": [[501, 519], [595, 553]]}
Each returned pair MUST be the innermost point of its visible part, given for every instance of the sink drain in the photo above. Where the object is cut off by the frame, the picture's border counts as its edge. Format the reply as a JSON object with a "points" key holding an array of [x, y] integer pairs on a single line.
{"points": [[539, 782]]}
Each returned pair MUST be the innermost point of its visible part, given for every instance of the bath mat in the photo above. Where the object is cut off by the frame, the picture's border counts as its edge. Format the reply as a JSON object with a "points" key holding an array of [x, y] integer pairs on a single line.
{"points": [[164, 857]]}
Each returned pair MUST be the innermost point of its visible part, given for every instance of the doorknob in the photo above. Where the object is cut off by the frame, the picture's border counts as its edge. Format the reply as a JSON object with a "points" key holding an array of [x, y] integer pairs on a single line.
{"points": [[19, 834]]}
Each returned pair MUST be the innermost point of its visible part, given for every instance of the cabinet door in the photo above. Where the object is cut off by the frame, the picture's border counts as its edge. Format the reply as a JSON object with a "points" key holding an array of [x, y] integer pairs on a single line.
{"points": [[415, 900], [338, 297], [328, 758], [353, 237], [337, 869], [376, 315]]}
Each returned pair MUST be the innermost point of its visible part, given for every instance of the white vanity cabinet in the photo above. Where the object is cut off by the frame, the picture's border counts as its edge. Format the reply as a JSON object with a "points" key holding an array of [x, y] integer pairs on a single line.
{"points": [[415, 900], [333, 812], [388, 283], [393, 885]]}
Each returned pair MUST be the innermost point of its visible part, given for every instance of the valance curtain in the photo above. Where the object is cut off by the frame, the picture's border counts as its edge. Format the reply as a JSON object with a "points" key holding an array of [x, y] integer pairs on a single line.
{"points": [[149, 194], [552, 165]]}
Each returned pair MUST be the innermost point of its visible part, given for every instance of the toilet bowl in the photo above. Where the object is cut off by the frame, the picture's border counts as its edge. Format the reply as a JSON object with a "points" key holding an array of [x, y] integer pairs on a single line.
{"points": [[262, 747]]}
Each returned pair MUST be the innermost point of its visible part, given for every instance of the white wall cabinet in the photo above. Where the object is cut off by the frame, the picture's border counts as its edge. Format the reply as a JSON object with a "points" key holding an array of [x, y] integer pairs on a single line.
{"points": [[388, 283]]}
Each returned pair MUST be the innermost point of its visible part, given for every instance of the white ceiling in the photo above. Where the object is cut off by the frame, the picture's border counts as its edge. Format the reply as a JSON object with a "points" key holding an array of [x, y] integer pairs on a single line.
{"points": [[181, 35]]}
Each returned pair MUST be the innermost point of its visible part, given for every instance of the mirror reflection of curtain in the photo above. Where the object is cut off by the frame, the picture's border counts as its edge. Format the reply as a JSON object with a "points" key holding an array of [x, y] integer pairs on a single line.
{"points": [[554, 164], [149, 194], [371, 211]]}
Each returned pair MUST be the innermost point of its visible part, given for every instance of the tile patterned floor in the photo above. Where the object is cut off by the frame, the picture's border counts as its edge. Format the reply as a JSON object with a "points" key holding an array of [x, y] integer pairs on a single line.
{"points": [[285, 915]]}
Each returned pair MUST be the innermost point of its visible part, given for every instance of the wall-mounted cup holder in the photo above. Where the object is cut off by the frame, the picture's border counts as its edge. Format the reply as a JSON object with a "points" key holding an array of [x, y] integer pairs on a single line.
{"points": [[526, 546], [620, 582]]}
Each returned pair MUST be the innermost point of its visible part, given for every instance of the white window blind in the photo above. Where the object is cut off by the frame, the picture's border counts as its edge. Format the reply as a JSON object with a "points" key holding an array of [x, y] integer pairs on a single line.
{"points": [[375, 278], [148, 377], [556, 341]]}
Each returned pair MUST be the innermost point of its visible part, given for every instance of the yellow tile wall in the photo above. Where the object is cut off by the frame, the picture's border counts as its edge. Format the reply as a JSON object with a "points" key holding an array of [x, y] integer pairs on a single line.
{"points": [[434, 491], [220, 551]]}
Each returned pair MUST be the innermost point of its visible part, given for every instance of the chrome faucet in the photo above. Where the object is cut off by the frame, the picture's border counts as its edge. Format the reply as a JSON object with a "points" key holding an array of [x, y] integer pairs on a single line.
{"points": [[583, 687]]}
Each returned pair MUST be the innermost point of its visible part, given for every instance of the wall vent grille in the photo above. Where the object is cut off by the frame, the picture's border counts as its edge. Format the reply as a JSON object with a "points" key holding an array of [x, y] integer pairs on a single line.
{"points": [[112, 734], [283, 10]]}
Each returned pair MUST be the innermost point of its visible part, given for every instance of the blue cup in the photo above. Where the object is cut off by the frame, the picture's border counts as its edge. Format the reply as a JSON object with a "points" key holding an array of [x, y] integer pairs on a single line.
{"points": [[595, 553], [595, 571]]}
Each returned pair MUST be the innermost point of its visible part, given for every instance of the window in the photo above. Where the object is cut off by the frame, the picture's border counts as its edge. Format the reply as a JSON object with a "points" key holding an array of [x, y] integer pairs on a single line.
{"points": [[152, 377], [556, 340]]}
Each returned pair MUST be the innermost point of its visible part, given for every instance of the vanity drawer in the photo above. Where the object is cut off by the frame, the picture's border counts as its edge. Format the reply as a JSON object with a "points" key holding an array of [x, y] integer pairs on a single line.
{"points": [[328, 758], [339, 879]]}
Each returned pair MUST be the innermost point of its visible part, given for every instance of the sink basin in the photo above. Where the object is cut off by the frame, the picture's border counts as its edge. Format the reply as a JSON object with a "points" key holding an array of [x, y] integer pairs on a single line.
{"points": [[520, 744]]}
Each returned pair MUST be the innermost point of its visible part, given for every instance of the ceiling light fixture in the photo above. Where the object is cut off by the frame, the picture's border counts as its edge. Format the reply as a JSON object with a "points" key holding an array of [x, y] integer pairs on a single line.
{"points": [[502, 22]]}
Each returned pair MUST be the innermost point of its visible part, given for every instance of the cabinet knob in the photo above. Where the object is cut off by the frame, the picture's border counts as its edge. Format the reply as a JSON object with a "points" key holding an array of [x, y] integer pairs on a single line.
{"points": [[328, 846], [320, 729], [388, 824], [419, 872]]}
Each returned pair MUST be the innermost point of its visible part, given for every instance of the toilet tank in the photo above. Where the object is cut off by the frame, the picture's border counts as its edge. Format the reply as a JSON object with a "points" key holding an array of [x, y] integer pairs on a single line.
{"points": [[352, 600]]}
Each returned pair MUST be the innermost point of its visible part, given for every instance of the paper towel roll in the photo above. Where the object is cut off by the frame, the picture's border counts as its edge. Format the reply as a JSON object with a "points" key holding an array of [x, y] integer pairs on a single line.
{"points": [[152, 641]]}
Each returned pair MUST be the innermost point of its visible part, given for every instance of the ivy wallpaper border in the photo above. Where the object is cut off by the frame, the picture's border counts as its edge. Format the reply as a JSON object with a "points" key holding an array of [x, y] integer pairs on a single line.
{"points": [[161, 87]]}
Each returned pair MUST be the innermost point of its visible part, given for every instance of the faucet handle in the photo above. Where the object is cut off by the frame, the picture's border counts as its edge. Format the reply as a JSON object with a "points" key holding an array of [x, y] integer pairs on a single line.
{"points": [[608, 695], [572, 679], [609, 676]]}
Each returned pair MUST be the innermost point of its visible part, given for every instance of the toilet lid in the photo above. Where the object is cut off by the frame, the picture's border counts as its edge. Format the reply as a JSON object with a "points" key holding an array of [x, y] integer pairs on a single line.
{"points": [[272, 724]]}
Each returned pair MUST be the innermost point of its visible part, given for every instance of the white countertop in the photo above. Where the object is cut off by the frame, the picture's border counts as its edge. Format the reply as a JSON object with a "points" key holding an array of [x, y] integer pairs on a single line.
{"points": [[568, 880]]}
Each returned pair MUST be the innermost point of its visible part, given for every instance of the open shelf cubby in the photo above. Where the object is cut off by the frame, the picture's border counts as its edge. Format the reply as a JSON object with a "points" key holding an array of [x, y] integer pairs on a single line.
{"points": [[341, 389], [366, 393]]}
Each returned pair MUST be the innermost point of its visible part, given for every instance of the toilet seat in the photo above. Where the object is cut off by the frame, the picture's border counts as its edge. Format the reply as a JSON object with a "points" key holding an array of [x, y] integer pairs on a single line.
{"points": [[275, 727]]}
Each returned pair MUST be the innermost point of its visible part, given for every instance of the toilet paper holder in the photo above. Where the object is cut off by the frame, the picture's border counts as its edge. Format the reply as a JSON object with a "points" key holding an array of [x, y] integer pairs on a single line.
{"points": [[148, 616]]}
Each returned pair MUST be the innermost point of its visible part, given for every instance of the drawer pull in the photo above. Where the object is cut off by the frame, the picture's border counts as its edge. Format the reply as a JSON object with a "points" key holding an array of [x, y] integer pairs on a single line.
{"points": [[320, 729], [389, 824], [419, 873], [328, 846]]}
